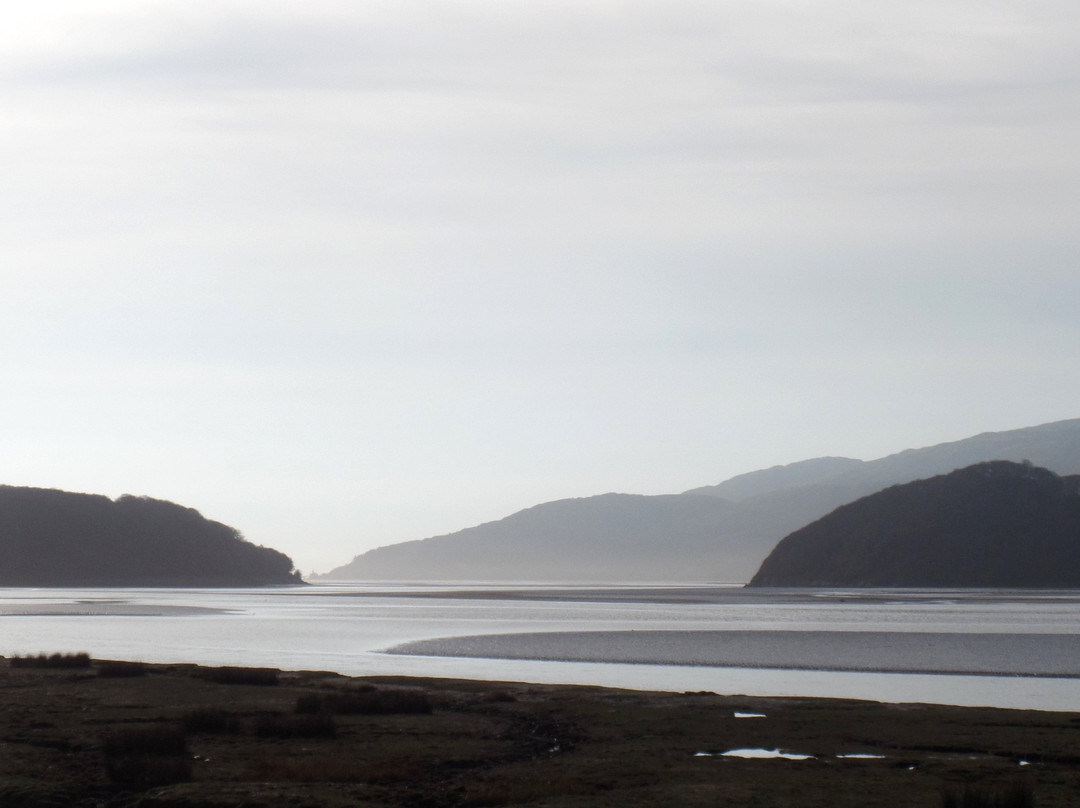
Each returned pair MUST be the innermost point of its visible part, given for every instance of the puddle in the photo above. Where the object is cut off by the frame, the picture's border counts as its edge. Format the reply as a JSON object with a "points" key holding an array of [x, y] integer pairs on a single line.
{"points": [[749, 715], [756, 753], [861, 756]]}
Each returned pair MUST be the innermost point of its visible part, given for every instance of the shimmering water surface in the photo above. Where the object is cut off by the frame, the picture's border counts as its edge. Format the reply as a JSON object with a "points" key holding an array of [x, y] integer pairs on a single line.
{"points": [[1024, 645]]}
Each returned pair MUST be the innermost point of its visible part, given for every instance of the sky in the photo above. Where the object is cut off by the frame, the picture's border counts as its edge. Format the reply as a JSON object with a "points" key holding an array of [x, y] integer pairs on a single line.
{"points": [[347, 274]]}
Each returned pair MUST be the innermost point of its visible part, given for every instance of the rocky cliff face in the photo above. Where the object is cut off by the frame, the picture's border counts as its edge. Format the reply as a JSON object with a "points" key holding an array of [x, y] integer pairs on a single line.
{"points": [[994, 524]]}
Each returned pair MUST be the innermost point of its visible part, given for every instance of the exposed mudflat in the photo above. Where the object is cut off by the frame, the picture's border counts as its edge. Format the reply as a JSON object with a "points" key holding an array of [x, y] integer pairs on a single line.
{"points": [[1001, 654]]}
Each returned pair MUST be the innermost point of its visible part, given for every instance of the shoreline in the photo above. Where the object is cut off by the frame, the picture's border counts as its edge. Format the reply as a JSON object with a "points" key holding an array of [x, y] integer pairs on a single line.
{"points": [[347, 630]]}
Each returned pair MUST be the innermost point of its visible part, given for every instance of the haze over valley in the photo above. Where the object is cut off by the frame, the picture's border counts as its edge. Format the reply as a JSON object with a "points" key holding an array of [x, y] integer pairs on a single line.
{"points": [[720, 533]]}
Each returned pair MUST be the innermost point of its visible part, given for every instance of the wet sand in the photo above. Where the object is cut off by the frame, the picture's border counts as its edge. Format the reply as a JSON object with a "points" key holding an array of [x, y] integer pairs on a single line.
{"points": [[1049, 655], [105, 608]]}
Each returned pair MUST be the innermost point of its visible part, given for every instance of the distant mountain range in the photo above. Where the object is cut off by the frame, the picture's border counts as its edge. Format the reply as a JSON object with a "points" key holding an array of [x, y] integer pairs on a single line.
{"points": [[995, 524], [59, 538], [717, 533]]}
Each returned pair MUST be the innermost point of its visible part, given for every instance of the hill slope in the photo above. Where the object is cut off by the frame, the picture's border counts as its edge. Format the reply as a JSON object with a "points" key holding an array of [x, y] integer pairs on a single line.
{"points": [[680, 537], [997, 524], [606, 537], [57, 538]]}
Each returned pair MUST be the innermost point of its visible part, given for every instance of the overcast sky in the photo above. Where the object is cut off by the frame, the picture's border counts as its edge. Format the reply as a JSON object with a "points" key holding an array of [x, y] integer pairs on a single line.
{"points": [[345, 274]]}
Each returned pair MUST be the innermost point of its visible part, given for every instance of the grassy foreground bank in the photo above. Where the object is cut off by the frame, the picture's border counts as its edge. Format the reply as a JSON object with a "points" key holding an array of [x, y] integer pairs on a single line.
{"points": [[81, 732]]}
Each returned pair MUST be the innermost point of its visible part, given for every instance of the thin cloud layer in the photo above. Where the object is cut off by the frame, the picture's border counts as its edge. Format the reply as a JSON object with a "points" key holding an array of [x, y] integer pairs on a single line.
{"points": [[343, 275]]}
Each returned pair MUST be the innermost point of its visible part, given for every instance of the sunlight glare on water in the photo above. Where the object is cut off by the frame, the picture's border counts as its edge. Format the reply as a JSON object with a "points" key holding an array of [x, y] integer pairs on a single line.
{"points": [[347, 629]]}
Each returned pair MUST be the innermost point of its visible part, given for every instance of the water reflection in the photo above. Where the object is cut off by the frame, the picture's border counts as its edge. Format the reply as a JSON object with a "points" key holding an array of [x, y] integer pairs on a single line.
{"points": [[345, 628]]}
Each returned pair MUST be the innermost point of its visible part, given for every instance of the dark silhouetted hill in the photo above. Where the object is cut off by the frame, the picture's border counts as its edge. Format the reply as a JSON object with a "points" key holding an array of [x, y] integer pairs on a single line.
{"points": [[57, 538], [716, 533], [996, 524]]}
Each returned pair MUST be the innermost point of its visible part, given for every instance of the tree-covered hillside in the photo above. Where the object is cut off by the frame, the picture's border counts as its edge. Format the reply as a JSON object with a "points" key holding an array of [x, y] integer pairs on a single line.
{"points": [[57, 538], [995, 524]]}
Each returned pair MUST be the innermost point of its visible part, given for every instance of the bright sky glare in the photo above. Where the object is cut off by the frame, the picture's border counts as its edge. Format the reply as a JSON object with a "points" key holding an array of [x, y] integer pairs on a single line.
{"points": [[346, 274]]}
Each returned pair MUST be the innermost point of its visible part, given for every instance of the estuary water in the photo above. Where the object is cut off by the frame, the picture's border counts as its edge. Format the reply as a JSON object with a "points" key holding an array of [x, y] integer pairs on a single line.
{"points": [[968, 647]]}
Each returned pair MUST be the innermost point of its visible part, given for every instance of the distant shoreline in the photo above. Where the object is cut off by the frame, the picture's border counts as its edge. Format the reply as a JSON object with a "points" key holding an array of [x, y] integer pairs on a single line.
{"points": [[681, 593]]}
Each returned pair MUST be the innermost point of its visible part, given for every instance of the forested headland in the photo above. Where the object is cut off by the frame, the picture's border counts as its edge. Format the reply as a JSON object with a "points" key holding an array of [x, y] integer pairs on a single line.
{"points": [[996, 524], [58, 538]]}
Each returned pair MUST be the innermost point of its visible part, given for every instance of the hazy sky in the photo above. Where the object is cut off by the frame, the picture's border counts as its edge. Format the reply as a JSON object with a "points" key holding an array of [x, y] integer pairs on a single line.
{"points": [[344, 274]]}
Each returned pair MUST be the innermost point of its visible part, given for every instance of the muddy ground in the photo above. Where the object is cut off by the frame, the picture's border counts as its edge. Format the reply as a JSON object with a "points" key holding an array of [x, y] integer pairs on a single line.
{"points": [[96, 734]]}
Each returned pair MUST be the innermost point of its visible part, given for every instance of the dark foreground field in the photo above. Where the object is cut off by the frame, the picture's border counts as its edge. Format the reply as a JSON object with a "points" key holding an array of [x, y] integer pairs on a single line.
{"points": [[81, 733]]}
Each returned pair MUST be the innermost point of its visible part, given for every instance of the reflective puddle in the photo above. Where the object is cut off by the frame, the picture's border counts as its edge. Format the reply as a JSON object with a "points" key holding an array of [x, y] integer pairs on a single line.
{"points": [[755, 753], [779, 754]]}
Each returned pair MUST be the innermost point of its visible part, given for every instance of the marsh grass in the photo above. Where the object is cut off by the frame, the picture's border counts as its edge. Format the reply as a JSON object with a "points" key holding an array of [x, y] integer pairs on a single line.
{"points": [[1018, 794], [78, 660], [211, 721], [19, 793], [523, 791], [366, 701], [498, 697], [158, 739], [265, 677], [145, 757], [120, 669], [148, 771], [383, 772], [339, 767], [326, 768], [73, 740], [276, 725]]}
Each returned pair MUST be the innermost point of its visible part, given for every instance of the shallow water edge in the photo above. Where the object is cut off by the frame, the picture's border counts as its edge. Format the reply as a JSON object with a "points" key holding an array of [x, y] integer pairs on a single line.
{"points": [[1031, 636]]}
